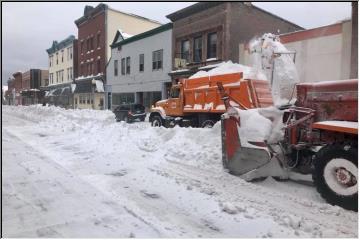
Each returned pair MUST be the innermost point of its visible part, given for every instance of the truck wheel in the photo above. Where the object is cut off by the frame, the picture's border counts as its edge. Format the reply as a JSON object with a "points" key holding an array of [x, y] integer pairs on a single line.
{"points": [[207, 124], [335, 175], [156, 121]]}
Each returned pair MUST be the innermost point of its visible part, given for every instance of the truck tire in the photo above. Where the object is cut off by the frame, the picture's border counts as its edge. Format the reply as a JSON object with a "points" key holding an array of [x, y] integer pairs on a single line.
{"points": [[207, 124], [156, 121], [335, 176]]}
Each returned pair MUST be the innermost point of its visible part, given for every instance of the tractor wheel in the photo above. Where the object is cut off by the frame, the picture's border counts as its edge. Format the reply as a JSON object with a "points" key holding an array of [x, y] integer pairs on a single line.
{"points": [[208, 124], [335, 175], [156, 121]]}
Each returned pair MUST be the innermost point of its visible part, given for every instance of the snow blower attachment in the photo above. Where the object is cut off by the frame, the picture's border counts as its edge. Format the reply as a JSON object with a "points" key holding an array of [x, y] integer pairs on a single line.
{"points": [[319, 137], [237, 158]]}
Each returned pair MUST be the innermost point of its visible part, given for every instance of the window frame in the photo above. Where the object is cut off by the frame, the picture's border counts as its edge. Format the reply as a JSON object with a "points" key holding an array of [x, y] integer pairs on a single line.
{"points": [[116, 68], [122, 66], [182, 52], [128, 65], [209, 53], [157, 59], [141, 62], [195, 49]]}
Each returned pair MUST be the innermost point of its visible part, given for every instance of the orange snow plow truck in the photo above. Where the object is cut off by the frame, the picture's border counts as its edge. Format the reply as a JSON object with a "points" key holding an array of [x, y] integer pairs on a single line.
{"points": [[320, 137], [197, 102]]}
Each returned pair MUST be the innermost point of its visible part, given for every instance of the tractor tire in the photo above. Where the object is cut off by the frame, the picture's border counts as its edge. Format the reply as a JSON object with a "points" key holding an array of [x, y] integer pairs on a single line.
{"points": [[335, 175], [156, 121]]}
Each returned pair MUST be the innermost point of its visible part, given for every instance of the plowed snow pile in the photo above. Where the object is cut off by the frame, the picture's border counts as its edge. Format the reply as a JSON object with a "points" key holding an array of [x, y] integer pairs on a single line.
{"points": [[78, 173]]}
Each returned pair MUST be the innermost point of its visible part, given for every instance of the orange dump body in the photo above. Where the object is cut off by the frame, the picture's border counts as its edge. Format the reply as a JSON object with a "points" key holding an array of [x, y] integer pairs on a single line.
{"points": [[201, 95]]}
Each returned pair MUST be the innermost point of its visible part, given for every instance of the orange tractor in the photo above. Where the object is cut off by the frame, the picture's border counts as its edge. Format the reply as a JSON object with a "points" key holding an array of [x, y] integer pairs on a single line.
{"points": [[320, 138], [197, 102]]}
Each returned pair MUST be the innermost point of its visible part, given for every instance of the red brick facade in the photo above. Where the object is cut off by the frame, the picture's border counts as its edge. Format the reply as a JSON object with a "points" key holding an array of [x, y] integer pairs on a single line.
{"points": [[91, 45]]}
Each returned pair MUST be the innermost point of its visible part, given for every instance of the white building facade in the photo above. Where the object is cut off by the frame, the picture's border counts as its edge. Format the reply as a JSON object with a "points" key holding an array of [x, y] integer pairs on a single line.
{"points": [[61, 61], [138, 69]]}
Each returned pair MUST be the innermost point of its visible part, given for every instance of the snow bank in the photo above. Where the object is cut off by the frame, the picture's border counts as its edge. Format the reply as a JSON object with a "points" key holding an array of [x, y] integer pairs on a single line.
{"points": [[230, 67]]}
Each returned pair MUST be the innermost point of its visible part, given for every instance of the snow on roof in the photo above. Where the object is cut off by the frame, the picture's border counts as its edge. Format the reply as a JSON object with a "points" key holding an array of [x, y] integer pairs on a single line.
{"points": [[180, 70], [4, 88], [124, 34]]}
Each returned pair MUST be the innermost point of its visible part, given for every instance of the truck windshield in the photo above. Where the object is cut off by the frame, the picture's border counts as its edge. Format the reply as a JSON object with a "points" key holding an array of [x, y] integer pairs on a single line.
{"points": [[175, 92]]}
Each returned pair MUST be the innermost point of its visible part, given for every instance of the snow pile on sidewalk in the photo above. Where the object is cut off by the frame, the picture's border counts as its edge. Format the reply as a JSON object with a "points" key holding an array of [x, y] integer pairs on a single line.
{"points": [[39, 113], [230, 67]]}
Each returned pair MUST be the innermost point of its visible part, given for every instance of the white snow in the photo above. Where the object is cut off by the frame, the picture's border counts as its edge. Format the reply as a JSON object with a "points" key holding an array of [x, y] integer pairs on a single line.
{"points": [[78, 173], [209, 106], [180, 70], [220, 107], [99, 86], [264, 52], [230, 67], [73, 87], [260, 124], [124, 34], [198, 106]]}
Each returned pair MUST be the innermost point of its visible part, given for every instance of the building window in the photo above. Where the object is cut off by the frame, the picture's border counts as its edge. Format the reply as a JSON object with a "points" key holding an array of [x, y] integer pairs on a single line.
{"points": [[57, 58], [197, 49], [123, 66], [98, 63], [82, 69], [157, 59], [98, 40], [92, 43], [88, 99], [71, 73], [82, 47], [69, 53], [141, 62], [62, 55], [50, 61], [88, 44], [128, 65], [116, 67], [68, 73], [185, 50], [211, 45]]}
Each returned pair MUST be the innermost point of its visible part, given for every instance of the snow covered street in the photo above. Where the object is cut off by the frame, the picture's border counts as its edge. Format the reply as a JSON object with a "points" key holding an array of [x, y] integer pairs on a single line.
{"points": [[78, 173]]}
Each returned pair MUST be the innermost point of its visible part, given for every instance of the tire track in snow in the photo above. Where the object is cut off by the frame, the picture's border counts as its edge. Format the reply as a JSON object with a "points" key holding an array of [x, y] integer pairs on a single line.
{"points": [[227, 188]]}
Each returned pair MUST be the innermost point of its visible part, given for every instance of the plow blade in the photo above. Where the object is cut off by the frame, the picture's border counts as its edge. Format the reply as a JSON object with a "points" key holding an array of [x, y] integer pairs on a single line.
{"points": [[236, 158]]}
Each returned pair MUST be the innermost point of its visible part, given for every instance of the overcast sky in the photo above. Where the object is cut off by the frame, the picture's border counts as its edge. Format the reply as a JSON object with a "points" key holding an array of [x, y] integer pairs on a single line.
{"points": [[28, 29]]}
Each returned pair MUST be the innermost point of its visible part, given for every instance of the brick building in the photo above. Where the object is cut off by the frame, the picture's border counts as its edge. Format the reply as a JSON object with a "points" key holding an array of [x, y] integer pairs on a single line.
{"points": [[210, 32], [96, 31], [18, 86], [10, 93], [30, 89]]}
